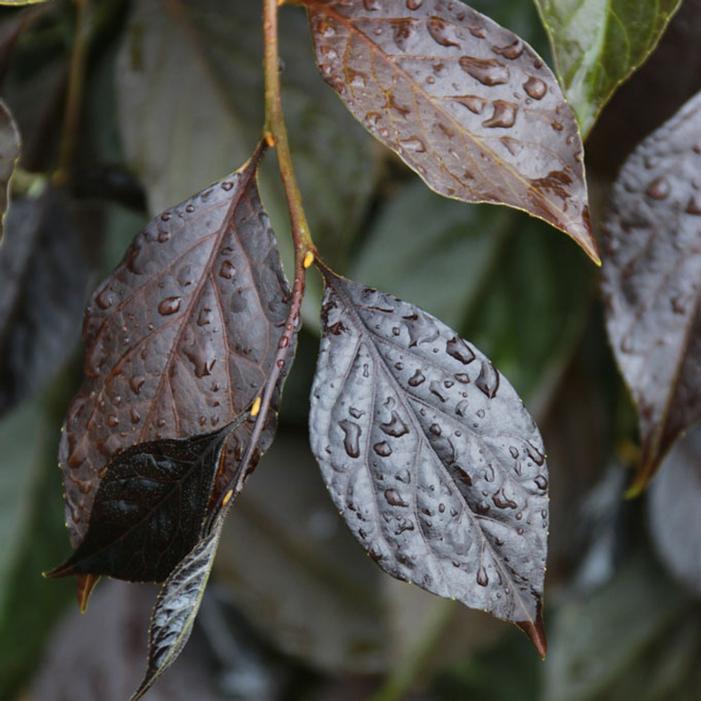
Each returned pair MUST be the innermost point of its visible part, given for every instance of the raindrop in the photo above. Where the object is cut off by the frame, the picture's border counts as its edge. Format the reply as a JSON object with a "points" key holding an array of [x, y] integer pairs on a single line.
{"points": [[105, 299], [504, 115], [204, 317], [482, 578], [458, 349], [438, 30], [351, 441], [488, 379], [535, 453], [394, 498], [658, 189], [414, 4], [535, 88], [227, 270], [382, 449], [541, 482], [136, 383], [169, 305], [694, 207], [403, 29], [414, 144], [394, 427], [416, 379], [512, 51], [487, 71]]}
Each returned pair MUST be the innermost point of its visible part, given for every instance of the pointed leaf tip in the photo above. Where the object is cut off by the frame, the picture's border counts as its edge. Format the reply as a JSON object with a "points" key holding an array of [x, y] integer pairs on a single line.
{"points": [[86, 584], [535, 630]]}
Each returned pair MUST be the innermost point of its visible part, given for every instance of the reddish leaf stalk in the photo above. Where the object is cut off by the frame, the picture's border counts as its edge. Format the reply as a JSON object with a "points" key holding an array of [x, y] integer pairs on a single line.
{"points": [[275, 136]]}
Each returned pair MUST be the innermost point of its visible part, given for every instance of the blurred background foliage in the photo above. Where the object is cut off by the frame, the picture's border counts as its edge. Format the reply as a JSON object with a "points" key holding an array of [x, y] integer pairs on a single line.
{"points": [[173, 100]]}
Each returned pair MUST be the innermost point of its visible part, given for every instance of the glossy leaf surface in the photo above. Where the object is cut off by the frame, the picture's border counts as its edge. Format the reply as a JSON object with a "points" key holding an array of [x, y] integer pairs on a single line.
{"points": [[464, 102], [430, 455], [597, 44], [180, 338], [673, 510], [176, 608], [149, 509], [652, 281], [44, 276], [9, 153]]}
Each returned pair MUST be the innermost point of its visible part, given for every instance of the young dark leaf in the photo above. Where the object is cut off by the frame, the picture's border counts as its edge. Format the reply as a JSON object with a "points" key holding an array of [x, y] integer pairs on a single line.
{"points": [[180, 339], [9, 153], [430, 455], [597, 45], [44, 276], [674, 513], [652, 282], [464, 102], [149, 509], [177, 606]]}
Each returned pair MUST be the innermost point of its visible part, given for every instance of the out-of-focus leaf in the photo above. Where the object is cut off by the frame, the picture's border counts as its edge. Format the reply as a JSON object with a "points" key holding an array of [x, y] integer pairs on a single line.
{"points": [[649, 97], [212, 49], [652, 282], [464, 102], [327, 608], [430, 455], [597, 44], [17, 3], [43, 284], [149, 509], [674, 513], [637, 638], [180, 339], [101, 653], [432, 252], [177, 606], [522, 296], [9, 154], [32, 533]]}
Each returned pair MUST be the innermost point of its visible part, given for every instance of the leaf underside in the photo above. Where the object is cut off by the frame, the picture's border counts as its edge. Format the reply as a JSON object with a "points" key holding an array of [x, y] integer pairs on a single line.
{"points": [[652, 282], [149, 509], [597, 45], [180, 339], [430, 455], [464, 102], [177, 606]]}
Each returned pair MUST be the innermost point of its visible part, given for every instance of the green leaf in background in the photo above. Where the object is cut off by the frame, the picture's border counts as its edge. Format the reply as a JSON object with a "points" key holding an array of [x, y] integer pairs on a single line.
{"points": [[502, 279], [19, 3], [639, 637], [597, 44], [32, 535]]}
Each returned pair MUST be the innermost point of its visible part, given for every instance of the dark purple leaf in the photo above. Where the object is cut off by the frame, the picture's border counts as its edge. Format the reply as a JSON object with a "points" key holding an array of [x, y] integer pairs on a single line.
{"points": [[44, 278], [149, 509], [430, 455], [652, 282], [180, 339], [464, 102]]}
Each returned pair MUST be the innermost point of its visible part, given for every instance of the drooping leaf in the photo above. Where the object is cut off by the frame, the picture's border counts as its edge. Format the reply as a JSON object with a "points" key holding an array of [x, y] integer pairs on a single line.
{"points": [[652, 282], [597, 44], [177, 606], [213, 48], [180, 339], [430, 455], [44, 274], [673, 510], [149, 509], [9, 153], [464, 102]]}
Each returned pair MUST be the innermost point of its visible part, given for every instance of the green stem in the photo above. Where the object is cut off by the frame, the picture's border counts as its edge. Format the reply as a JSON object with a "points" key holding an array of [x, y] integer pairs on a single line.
{"points": [[74, 97]]}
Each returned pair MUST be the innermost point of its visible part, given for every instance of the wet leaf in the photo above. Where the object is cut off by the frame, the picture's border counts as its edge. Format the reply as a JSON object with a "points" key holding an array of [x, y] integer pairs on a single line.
{"points": [[213, 48], [673, 510], [464, 102], [518, 292], [176, 608], [651, 282], [9, 153], [180, 339], [149, 509], [430, 455], [44, 276], [597, 45]]}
